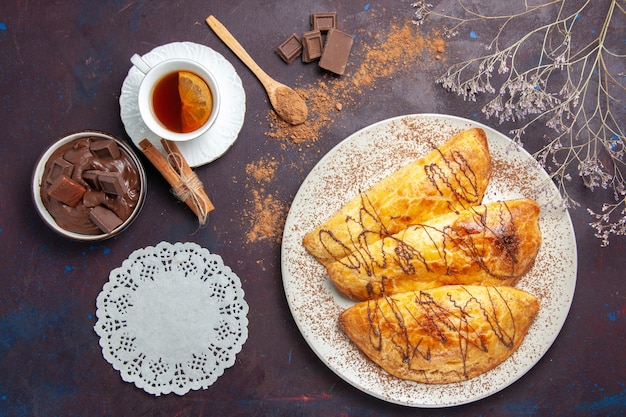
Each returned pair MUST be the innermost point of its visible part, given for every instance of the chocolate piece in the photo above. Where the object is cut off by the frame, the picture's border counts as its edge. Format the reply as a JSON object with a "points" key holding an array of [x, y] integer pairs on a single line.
{"points": [[336, 51], [290, 49], [59, 167], [312, 45], [105, 149], [112, 182], [91, 179], [323, 21], [67, 191], [104, 218]]}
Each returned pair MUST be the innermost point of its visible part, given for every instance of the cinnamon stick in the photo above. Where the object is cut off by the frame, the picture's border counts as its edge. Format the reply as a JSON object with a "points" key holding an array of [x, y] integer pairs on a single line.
{"points": [[178, 161], [177, 172]]}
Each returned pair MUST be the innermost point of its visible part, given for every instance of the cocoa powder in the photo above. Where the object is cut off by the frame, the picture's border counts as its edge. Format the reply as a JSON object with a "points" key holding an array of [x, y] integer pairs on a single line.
{"points": [[266, 218], [289, 106], [267, 214]]}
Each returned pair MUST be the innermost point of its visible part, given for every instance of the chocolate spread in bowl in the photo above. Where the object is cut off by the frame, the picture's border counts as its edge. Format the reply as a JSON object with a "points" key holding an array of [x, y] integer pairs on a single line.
{"points": [[86, 174]]}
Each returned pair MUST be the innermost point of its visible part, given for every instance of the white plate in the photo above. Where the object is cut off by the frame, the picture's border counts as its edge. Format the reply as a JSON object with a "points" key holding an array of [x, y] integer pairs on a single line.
{"points": [[357, 163], [215, 142]]}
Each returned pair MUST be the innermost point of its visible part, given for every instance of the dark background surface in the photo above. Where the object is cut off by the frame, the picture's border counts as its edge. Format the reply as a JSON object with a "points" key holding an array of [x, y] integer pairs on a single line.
{"points": [[62, 64]]}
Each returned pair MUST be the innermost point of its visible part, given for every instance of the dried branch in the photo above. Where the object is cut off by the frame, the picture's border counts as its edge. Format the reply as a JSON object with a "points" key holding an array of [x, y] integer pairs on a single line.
{"points": [[572, 88]]}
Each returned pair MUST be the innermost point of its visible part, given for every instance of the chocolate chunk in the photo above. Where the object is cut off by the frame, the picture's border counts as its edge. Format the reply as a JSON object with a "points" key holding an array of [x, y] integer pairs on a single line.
{"points": [[91, 179], [323, 21], [105, 149], [336, 51], [60, 167], [67, 191], [112, 182], [104, 218], [312, 45], [290, 49]]}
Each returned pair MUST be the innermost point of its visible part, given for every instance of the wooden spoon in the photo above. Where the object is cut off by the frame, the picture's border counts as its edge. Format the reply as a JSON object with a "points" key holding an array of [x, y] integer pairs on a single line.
{"points": [[286, 102]]}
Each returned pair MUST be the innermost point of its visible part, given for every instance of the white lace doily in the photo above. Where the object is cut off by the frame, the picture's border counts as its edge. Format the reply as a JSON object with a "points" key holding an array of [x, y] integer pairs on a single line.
{"points": [[172, 318]]}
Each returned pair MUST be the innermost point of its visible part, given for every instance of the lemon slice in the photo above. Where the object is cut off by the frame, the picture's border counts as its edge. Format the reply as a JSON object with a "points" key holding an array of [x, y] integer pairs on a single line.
{"points": [[196, 101]]}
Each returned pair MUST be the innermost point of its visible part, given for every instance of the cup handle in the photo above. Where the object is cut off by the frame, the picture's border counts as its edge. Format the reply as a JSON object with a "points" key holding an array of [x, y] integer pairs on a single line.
{"points": [[140, 63]]}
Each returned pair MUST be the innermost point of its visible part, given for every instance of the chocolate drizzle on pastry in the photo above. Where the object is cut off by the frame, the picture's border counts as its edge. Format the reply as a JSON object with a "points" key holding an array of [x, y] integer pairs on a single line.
{"points": [[451, 178], [458, 180], [447, 334], [491, 244]]}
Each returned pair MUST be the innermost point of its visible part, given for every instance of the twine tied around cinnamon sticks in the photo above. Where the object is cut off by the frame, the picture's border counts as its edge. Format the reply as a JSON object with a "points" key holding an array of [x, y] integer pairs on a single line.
{"points": [[186, 185]]}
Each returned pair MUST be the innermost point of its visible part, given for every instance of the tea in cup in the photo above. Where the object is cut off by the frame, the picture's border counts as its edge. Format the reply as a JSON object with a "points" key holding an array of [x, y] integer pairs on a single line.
{"points": [[178, 98]]}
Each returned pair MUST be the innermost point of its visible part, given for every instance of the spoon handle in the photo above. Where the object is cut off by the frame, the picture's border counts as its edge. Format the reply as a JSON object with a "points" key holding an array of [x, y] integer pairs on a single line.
{"points": [[230, 41]]}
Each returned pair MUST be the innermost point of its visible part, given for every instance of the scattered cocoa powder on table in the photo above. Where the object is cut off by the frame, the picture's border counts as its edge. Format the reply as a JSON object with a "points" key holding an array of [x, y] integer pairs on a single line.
{"points": [[262, 171], [266, 216]]}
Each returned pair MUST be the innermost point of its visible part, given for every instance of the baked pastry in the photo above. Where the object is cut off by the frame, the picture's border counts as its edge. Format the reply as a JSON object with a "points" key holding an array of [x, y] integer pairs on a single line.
{"points": [[447, 334], [452, 177], [491, 244]]}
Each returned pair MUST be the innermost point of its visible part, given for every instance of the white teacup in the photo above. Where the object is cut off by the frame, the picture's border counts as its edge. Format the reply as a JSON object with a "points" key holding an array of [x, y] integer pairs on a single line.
{"points": [[153, 75]]}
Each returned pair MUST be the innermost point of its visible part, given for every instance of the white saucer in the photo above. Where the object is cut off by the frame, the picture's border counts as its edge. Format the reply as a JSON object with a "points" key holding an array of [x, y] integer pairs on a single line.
{"points": [[215, 142]]}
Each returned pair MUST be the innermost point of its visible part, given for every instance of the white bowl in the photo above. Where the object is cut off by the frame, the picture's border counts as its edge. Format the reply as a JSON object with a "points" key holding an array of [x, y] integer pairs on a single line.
{"points": [[38, 179]]}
